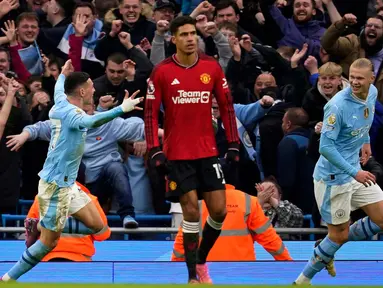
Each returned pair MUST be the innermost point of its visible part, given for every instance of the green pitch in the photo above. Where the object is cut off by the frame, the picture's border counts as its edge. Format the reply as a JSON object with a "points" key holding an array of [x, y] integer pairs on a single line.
{"points": [[70, 285]]}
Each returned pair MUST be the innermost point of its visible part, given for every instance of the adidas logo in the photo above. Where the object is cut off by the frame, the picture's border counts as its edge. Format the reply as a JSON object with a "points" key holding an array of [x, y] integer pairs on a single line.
{"points": [[175, 82]]}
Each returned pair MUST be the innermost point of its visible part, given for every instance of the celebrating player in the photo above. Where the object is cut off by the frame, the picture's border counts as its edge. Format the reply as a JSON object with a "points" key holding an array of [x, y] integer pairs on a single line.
{"points": [[185, 84], [341, 186], [58, 194]]}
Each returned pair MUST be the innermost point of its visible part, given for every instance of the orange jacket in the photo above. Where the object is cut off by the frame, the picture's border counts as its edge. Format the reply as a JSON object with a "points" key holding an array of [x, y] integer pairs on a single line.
{"points": [[74, 247], [245, 223]]}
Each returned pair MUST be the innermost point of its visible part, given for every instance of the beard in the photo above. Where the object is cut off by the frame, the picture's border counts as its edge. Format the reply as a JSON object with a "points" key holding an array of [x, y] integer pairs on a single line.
{"points": [[371, 50]]}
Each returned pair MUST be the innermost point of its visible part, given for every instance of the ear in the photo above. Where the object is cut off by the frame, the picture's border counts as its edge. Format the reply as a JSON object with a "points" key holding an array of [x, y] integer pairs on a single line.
{"points": [[372, 78], [82, 92], [174, 40], [314, 12]]}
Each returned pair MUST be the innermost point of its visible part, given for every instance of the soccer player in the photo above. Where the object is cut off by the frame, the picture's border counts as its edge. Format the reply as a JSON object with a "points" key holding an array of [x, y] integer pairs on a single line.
{"points": [[185, 84], [58, 194], [341, 186]]}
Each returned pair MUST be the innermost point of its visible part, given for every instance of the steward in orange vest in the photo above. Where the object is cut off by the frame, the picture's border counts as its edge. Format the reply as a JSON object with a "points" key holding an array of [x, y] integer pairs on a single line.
{"points": [[74, 247], [245, 223]]}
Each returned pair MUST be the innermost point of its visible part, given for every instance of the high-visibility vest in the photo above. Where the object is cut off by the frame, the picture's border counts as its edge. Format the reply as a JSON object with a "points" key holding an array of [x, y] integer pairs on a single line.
{"points": [[245, 223], [75, 247]]}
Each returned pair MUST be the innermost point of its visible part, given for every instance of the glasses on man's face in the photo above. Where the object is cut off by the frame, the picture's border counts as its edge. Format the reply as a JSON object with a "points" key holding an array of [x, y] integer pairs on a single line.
{"points": [[215, 108]]}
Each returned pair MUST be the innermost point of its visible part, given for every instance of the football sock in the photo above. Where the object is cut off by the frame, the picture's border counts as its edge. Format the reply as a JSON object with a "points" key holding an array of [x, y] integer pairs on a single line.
{"points": [[363, 229], [191, 238], [74, 226], [29, 259], [323, 254], [210, 234]]}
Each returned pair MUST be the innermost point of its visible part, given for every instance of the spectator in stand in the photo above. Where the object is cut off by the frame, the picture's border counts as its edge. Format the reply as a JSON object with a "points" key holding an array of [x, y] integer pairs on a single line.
{"points": [[80, 39], [10, 161], [70, 247], [302, 28], [245, 224], [228, 11], [27, 30], [282, 213], [330, 82], [4, 60], [123, 25], [348, 48], [123, 74], [294, 167]]}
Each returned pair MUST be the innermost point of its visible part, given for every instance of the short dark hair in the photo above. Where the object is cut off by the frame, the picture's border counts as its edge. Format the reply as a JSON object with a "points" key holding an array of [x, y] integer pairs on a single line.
{"points": [[228, 26], [312, 2], [180, 21], [5, 50], [297, 116], [53, 60], [67, 6], [34, 78], [75, 80], [117, 58], [86, 5], [380, 17], [223, 4], [273, 180], [26, 16]]}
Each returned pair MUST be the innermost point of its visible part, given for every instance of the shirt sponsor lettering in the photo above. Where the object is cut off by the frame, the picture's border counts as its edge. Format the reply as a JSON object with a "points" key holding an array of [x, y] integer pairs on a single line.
{"points": [[191, 97]]}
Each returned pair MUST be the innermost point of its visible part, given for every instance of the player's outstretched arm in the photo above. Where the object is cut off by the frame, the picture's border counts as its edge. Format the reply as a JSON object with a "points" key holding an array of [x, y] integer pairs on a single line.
{"points": [[59, 94], [78, 119]]}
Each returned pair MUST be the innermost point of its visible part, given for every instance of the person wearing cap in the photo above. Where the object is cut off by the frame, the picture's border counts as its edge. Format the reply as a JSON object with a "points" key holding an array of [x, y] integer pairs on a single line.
{"points": [[163, 10]]}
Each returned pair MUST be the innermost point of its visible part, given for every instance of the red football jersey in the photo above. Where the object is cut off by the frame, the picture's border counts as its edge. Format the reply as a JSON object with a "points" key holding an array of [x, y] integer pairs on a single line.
{"points": [[186, 94]]}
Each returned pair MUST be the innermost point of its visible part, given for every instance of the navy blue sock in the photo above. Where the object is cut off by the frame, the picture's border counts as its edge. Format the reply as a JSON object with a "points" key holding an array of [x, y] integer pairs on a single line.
{"points": [[29, 259], [75, 226], [363, 229], [323, 254]]}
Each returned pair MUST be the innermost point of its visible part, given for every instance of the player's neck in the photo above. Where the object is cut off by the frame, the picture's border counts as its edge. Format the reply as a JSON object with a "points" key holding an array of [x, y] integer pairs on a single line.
{"points": [[186, 59], [361, 96], [76, 101]]}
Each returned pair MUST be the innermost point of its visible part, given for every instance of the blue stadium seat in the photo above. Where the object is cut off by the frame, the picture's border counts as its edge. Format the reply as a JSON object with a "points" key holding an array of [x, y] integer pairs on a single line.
{"points": [[309, 217]]}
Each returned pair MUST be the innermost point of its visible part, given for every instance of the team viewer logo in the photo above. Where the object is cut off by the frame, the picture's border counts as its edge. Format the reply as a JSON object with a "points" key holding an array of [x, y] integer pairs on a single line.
{"points": [[205, 78], [172, 185]]}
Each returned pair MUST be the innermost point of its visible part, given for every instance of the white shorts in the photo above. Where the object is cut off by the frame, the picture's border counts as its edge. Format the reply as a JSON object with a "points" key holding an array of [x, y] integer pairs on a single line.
{"points": [[56, 204], [335, 202]]}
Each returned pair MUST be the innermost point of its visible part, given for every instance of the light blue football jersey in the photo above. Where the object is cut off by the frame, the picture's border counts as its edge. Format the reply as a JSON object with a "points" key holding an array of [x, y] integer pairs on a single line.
{"points": [[346, 125], [69, 125]]}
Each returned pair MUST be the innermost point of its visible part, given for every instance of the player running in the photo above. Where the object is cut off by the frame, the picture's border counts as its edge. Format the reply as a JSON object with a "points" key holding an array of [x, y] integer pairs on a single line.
{"points": [[58, 194], [341, 186], [185, 84]]}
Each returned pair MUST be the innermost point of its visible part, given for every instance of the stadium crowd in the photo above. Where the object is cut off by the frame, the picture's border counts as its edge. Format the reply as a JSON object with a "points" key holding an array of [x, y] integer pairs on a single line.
{"points": [[296, 51]]}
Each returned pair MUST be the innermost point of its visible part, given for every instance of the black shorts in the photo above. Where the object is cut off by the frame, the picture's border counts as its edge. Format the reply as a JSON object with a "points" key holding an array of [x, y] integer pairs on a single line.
{"points": [[203, 175]]}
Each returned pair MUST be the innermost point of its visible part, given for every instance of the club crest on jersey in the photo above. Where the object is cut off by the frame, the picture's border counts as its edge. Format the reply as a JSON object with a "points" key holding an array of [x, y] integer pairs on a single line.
{"points": [[366, 112], [205, 78], [172, 185], [331, 119]]}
